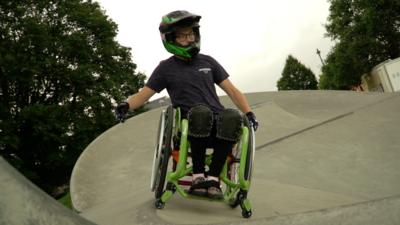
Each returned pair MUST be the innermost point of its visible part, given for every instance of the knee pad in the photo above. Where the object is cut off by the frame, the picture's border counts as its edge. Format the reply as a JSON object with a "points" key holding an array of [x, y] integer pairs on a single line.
{"points": [[229, 125], [200, 121]]}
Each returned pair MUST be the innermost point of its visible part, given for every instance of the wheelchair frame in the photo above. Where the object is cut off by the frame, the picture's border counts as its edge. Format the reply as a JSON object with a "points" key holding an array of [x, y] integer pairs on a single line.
{"points": [[236, 173]]}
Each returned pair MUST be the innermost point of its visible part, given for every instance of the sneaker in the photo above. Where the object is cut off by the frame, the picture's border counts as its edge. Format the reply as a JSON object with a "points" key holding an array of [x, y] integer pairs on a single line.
{"points": [[214, 190], [199, 187]]}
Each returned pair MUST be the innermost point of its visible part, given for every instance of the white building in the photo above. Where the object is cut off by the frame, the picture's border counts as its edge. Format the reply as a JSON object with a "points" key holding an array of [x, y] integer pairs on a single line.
{"points": [[385, 77]]}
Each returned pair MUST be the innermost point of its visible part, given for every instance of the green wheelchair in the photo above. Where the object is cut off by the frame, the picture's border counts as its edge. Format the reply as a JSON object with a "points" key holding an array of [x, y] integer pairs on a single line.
{"points": [[171, 167]]}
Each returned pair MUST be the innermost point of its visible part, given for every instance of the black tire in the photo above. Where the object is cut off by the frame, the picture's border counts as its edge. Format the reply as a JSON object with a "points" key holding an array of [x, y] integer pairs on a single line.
{"points": [[165, 153], [157, 152]]}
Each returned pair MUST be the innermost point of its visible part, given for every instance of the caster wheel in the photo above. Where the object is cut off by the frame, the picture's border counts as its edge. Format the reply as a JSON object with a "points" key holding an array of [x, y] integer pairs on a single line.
{"points": [[246, 214], [159, 204]]}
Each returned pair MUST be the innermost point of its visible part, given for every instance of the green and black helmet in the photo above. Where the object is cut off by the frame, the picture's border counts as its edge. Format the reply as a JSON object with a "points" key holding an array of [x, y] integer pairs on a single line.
{"points": [[180, 19]]}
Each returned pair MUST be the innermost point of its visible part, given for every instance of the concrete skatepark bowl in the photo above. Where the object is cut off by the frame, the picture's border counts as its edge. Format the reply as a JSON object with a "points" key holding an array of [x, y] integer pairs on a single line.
{"points": [[322, 157]]}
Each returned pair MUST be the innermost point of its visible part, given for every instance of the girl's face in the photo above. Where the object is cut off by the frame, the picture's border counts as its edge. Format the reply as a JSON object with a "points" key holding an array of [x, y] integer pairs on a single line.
{"points": [[185, 36]]}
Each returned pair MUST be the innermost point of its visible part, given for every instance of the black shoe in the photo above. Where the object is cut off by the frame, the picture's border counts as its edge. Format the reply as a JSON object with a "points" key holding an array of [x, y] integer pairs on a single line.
{"points": [[214, 190], [199, 187]]}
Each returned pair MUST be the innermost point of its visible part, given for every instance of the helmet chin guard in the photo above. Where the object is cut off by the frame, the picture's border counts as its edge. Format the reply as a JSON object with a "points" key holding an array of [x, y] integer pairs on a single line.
{"points": [[180, 19]]}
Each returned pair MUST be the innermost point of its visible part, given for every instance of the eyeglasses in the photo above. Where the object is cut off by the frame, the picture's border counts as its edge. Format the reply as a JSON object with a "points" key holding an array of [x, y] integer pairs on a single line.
{"points": [[183, 36]]}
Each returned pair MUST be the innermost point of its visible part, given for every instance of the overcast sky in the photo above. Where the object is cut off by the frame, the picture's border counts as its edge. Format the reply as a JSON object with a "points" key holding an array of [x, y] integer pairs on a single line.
{"points": [[250, 38]]}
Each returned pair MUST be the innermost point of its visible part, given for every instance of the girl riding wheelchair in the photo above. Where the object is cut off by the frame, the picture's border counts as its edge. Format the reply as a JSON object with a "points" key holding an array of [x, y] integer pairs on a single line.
{"points": [[174, 141], [197, 120]]}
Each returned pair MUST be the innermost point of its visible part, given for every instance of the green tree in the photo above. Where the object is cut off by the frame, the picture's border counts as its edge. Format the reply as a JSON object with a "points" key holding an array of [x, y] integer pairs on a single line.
{"points": [[366, 32], [295, 76], [61, 71], [339, 72]]}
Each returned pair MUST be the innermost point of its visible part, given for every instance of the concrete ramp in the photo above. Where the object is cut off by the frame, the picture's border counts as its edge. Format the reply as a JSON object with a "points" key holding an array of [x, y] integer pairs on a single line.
{"points": [[322, 157], [22, 203]]}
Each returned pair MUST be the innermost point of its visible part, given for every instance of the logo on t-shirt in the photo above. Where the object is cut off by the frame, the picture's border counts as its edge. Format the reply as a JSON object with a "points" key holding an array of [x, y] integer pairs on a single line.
{"points": [[205, 70]]}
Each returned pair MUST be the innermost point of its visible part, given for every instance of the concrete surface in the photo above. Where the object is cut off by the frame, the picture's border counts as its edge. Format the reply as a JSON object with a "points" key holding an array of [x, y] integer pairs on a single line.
{"points": [[22, 203], [323, 157]]}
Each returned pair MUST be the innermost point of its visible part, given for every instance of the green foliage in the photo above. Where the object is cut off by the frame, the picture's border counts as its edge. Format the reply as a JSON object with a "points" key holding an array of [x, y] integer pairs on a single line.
{"points": [[367, 32], [339, 71], [61, 71], [296, 76]]}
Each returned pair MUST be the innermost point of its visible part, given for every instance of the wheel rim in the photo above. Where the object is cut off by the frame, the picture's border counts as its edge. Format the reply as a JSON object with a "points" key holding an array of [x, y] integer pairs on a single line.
{"points": [[165, 152], [157, 152]]}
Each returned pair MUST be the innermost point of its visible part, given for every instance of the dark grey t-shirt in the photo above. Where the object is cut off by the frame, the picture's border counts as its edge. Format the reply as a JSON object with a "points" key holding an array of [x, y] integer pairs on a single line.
{"points": [[189, 83]]}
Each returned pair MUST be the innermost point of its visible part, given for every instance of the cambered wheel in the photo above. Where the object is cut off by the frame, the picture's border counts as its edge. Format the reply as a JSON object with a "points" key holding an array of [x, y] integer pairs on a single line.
{"points": [[250, 151], [237, 154], [164, 153], [157, 151]]}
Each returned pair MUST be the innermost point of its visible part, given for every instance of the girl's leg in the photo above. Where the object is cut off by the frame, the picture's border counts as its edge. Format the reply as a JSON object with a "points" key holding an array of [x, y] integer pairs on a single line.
{"points": [[222, 148], [198, 153]]}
